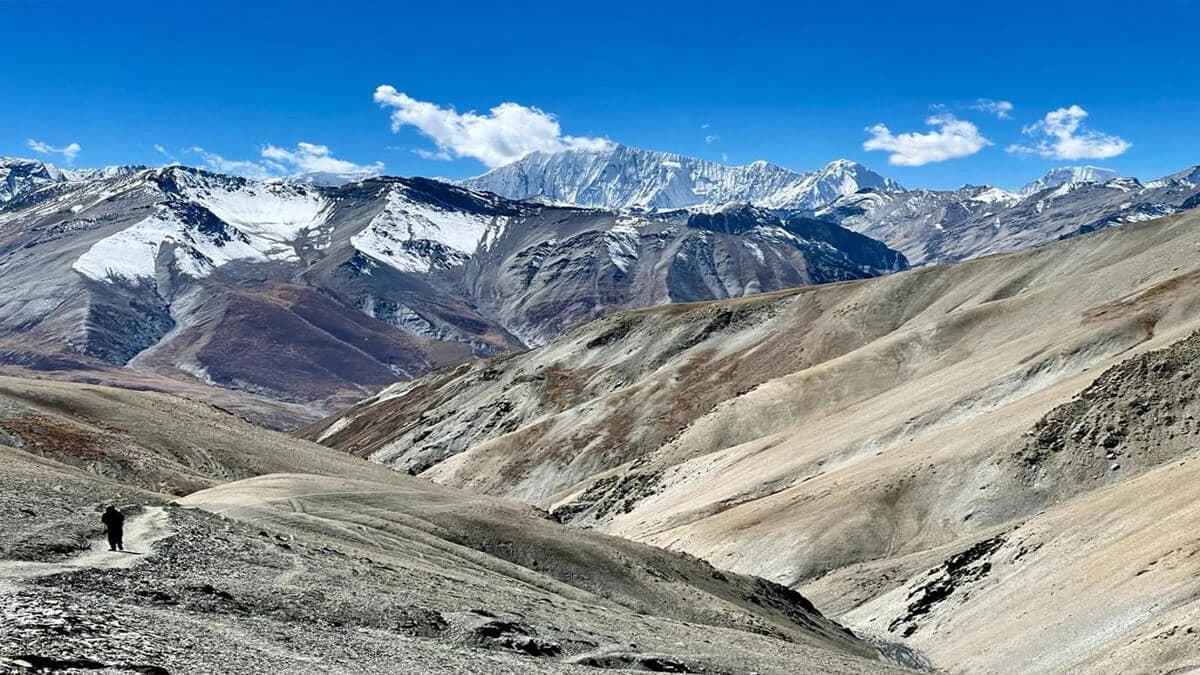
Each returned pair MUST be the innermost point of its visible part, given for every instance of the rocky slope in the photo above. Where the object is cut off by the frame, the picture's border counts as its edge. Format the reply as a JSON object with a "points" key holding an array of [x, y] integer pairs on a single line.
{"points": [[895, 446], [551, 274], [336, 565], [284, 301], [623, 177]]}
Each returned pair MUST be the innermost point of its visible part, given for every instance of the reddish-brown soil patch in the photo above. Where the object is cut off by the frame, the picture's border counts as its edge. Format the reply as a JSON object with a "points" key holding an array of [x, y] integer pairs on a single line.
{"points": [[55, 437]]}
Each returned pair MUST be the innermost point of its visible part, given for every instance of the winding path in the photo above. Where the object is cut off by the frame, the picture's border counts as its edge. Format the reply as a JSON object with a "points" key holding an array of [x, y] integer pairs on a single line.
{"points": [[141, 533]]}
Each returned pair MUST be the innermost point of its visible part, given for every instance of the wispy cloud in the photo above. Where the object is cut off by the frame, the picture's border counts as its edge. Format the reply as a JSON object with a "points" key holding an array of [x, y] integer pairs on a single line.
{"points": [[504, 134], [68, 151], [276, 162], [1001, 109], [950, 139], [711, 138], [1062, 135], [160, 149]]}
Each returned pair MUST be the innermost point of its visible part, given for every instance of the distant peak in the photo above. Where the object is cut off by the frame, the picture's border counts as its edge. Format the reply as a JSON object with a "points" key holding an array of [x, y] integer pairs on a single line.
{"points": [[1070, 174], [843, 164]]}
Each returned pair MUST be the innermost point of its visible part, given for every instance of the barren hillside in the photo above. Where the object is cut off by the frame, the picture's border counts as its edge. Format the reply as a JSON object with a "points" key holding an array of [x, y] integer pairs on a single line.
{"points": [[319, 562], [855, 439]]}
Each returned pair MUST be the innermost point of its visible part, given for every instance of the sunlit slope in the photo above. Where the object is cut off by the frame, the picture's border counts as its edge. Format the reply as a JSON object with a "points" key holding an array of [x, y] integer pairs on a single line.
{"points": [[854, 439]]}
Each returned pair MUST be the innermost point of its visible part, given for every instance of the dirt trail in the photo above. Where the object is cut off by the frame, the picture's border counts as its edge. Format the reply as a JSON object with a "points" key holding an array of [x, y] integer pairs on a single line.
{"points": [[141, 533]]}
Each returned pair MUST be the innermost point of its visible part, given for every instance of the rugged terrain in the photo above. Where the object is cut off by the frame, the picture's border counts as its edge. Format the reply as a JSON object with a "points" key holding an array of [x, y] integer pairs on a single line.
{"points": [[285, 556], [959, 456], [285, 301]]}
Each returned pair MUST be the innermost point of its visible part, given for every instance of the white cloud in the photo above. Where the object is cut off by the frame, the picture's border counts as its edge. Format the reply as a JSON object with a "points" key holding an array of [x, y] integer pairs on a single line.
{"points": [[1001, 109], [705, 125], [312, 158], [505, 134], [711, 138], [68, 151], [276, 162], [236, 167], [1063, 136], [952, 138]]}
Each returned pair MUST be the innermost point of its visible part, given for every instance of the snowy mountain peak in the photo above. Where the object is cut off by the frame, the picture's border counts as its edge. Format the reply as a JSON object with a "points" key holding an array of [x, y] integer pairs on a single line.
{"points": [[622, 177], [18, 175], [837, 179], [1189, 176], [115, 171], [1069, 175]]}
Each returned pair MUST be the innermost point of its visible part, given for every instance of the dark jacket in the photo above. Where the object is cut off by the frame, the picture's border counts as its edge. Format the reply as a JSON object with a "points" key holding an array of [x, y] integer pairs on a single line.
{"points": [[113, 520]]}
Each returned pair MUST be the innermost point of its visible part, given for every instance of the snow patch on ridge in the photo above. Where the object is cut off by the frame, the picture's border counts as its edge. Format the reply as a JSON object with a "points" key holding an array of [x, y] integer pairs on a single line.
{"points": [[132, 253], [621, 240], [271, 215], [416, 237]]}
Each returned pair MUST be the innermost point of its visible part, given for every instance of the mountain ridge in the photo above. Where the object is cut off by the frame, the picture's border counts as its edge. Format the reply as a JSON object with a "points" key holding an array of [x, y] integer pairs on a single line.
{"points": [[625, 177]]}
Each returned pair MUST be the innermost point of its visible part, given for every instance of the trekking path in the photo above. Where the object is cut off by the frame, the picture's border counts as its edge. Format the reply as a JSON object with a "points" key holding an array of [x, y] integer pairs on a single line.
{"points": [[141, 533]]}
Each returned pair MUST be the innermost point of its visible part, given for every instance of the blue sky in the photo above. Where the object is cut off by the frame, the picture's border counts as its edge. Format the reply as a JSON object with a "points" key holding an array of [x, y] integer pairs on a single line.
{"points": [[797, 84]]}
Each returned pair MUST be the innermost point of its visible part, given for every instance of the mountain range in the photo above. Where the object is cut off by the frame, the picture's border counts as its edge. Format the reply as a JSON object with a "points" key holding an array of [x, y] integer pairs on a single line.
{"points": [[621, 177], [935, 226], [285, 300], [928, 226]]}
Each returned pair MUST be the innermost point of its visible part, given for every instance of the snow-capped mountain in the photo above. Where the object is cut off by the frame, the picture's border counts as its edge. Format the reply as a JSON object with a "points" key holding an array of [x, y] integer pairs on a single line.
{"points": [[622, 177], [1070, 175], [931, 226], [839, 178], [22, 175], [928, 226], [292, 299], [1188, 177]]}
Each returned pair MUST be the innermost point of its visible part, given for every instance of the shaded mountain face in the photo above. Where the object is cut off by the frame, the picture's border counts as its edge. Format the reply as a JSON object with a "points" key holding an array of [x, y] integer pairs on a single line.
{"points": [[908, 450], [931, 226], [624, 177], [301, 298], [561, 268]]}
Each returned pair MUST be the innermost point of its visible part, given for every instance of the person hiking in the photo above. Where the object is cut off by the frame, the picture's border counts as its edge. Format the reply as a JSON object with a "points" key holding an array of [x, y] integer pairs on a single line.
{"points": [[114, 523]]}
